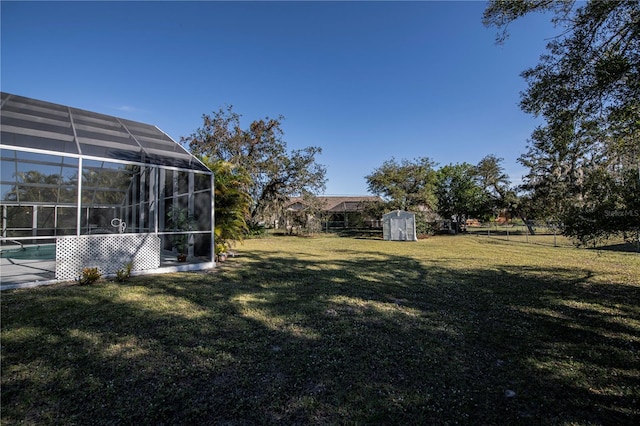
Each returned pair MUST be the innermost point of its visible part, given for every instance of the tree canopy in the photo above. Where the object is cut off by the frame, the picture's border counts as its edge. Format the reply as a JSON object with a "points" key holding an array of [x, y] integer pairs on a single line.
{"points": [[405, 184], [587, 89], [261, 154], [492, 178], [455, 191], [459, 194]]}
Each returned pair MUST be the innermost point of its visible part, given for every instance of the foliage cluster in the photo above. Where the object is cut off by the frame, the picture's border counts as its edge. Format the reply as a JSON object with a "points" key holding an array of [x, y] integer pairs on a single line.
{"points": [[262, 168], [406, 184], [180, 220], [124, 274], [454, 191], [584, 161], [232, 202], [89, 276], [256, 230]]}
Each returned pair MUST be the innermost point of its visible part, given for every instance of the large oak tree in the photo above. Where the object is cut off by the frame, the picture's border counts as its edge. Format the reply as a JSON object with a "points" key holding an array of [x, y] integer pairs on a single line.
{"points": [[260, 153], [405, 185], [460, 195], [587, 89]]}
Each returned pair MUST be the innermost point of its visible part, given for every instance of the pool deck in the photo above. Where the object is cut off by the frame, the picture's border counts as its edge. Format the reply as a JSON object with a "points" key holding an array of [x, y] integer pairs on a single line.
{"points": [[23, 273], [20, 271]]}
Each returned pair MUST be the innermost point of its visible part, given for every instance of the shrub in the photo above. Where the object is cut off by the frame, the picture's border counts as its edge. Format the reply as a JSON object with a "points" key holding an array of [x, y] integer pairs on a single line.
{"points": [[425, 226], [123, 274], [89, 276], [256, 231]]}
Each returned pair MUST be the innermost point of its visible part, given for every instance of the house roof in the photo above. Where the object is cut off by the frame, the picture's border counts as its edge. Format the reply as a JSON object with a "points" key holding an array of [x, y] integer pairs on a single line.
{"points": [[335, 204], [44, 126]]}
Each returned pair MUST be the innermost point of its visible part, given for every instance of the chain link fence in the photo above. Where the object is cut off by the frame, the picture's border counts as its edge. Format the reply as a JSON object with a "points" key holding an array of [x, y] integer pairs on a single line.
{"points": [[531, 232]]}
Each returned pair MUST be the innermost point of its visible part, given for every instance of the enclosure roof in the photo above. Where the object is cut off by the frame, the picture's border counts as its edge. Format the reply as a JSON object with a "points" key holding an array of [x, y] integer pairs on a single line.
{"points": [[35, 124]]}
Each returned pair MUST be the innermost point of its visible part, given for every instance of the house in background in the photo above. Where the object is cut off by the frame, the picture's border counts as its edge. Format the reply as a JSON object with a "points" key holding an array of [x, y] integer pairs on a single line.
{"points": [[334, 212], [82, 189]]}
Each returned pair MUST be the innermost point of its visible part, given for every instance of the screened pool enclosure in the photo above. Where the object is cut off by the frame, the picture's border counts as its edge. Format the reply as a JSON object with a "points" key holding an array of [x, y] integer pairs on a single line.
{"points": [[81, 189]]}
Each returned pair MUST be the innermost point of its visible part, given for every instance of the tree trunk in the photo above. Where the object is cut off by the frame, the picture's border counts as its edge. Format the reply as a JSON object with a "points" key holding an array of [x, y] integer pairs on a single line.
{"points": [[530, 227]]}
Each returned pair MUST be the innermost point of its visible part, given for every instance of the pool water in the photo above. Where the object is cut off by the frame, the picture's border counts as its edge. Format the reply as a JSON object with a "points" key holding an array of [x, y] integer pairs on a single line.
{"points": [[44, 251]]}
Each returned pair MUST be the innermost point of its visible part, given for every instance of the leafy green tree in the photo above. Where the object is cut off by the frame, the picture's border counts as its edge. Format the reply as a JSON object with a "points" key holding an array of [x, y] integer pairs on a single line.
{"points": [[374, 209], [492, 177], [591, 72], [557, 162], [459, 194], [493, 180], [232, 201], [274, 174], [587, 89], [405, 185], [612, 208]]}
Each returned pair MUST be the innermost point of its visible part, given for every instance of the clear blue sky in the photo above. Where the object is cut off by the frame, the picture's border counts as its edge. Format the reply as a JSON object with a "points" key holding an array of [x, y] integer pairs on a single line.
{"points": [[365, 81]]}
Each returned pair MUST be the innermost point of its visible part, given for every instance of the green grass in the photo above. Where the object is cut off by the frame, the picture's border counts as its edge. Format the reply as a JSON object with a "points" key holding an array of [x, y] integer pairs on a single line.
{"points": [[335, 330]]}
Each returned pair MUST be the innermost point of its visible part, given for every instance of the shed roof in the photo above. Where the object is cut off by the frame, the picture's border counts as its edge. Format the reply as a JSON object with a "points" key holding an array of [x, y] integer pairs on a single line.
{"points": [[35, 124], [398, 213]]}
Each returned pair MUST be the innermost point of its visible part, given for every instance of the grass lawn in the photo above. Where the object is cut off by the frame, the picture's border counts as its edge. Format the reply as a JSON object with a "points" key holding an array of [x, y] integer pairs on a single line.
{"points": [[330, 330]]}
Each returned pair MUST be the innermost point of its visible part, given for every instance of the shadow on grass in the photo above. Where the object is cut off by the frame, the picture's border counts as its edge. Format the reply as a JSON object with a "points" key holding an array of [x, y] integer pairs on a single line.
{"points": [[623, 247], [275, 340]]}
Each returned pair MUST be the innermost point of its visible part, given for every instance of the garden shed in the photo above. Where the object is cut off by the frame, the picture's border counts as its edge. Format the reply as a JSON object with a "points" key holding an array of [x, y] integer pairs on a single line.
{"points": [[82, 189], [399, 225]]}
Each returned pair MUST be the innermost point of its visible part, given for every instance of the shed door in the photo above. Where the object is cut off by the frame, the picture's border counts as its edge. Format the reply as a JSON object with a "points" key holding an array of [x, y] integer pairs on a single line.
{"points": [[410, 229], [398, 229]]}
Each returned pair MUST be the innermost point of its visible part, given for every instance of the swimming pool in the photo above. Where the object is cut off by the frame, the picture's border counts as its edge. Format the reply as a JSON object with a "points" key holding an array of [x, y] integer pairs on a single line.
{"points": [[40, 251]]}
